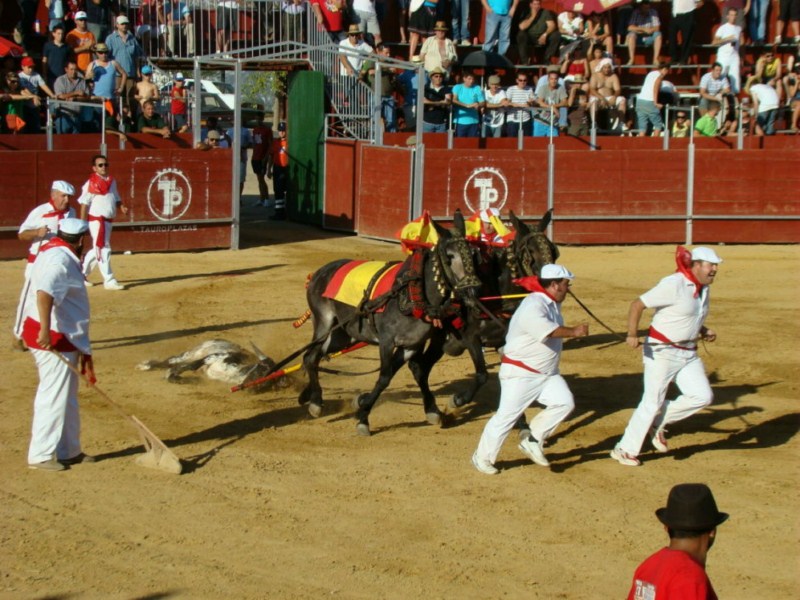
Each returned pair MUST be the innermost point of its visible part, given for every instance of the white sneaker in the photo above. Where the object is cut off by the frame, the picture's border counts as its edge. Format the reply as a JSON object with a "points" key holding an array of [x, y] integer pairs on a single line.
{"points": [[778, 39], [88, 283], [465, 43], [484, 466], [533, 450], [113, 285], [659, 440], [623, 458]]}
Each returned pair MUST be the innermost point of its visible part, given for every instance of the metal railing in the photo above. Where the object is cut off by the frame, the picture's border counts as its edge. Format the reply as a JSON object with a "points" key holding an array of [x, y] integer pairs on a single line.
{"points": [[83, 122]]}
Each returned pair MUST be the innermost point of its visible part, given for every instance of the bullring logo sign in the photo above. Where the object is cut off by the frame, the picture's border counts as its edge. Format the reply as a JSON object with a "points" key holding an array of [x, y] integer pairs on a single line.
{"points": [[169, 195], [486, 187]]}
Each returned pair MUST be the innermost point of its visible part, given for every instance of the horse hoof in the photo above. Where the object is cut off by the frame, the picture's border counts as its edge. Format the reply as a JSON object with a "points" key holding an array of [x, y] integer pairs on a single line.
{"points": [[455, 402], [363, 430], [434, 418], [524, 434], [314, 410]]}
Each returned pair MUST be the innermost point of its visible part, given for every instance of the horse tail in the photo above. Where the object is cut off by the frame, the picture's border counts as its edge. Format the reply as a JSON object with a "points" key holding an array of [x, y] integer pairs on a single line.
{"points": [[303, 318]]}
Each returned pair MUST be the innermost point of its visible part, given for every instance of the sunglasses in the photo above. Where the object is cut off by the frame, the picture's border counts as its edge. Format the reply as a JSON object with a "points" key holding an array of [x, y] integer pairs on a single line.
{"points": [[100, 165]]}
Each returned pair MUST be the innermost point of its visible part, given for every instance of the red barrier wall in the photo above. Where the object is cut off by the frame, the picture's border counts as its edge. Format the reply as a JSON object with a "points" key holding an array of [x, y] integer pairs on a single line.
{"points": [[339, 211], [385, 190], [178, 199]]}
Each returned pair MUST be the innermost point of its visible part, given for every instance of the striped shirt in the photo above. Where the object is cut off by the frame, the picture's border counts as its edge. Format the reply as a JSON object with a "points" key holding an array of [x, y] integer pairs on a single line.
{"points": [[517, 95], [713, 86]]}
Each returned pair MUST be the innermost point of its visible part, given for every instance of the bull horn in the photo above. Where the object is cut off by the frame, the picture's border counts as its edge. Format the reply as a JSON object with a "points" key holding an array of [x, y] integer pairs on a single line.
{"points": [[261, 356]]}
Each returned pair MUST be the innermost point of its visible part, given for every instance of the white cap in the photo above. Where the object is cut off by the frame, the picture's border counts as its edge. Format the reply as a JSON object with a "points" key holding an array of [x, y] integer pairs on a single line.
{"points": [[80, 15], [179, 76], [487, 213], [122, 19], [63, 186], [73, 226], [706, 254], [555, 272]]}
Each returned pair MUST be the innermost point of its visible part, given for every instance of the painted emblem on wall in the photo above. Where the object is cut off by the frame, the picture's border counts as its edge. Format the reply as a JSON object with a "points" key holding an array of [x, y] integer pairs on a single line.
{"points": [[486, 187], [169, 195]]}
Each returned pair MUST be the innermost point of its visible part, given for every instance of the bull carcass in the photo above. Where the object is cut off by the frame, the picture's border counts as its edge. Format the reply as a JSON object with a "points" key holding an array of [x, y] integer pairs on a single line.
{"points": [[220, 360]]}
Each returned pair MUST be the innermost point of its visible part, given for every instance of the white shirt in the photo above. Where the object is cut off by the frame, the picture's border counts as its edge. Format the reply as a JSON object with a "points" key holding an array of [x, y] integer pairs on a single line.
{"points": [[37, 220], [766, 95], [648, 85], [570, 27], [528, 339], [729, 49], [517, 95], [493, 117], [364, 6], [57, 272], [101, 205], [679, 315], [714, 86], [680, 7], [355, 61]]}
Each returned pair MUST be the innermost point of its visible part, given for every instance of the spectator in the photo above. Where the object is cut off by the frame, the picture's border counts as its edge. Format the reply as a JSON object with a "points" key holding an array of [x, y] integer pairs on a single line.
{"points": [[549, 99], [103, 72], [682, 22], [330, 15], [714, 87], [578, 116], [278, 170], [421, 24], [596, 54], [187, 29], [146, 89], [570, 26], [789, 10], [691, 519], [352, 52], [56, 10], [178, 105], [213, 139], [575, 69], [765, 105], [437, 100], [71, 87], [459, 12], [259, 160], [227, 23], [54, 55], [707, 124], [32, 83], [791, 84], [644, 29], [518, 114], [151, 28], [388, 88], [605, 90], [757, 18], [648, 108], [494, 115], [82, 41], [245, 143], [366, 18], [402, 17], [499, 14], [537, 29], [768, 70], [468, 101], [98, 18], [293, 13], [152, 122], [729, 39], [438, 50], [742, 7], [598, 32], [126, 52], [680, 127]]}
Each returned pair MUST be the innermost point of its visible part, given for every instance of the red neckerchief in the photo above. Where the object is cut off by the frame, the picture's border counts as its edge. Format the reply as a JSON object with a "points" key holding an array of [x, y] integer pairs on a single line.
{"points": [[98, 185], [55, 212], [532, 284], [683, 258], [56, 242]]}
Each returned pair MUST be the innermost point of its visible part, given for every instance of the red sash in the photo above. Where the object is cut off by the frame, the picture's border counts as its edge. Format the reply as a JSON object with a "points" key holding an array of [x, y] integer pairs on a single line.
{"points": [[657, 335], [55, 243], [518, 363], [100, 241], [30, 334]]}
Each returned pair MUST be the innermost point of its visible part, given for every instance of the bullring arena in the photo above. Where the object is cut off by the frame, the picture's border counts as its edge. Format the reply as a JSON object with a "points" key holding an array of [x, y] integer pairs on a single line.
{"points": [[275, 504]]}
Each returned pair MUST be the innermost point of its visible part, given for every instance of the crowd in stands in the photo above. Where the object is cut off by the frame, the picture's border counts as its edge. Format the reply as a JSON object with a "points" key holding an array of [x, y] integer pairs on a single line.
{"points": [[95, 53]]}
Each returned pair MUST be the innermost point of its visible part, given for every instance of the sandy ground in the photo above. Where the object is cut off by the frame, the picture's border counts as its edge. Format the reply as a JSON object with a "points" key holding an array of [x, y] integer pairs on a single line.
{"points": [[274, 504]]}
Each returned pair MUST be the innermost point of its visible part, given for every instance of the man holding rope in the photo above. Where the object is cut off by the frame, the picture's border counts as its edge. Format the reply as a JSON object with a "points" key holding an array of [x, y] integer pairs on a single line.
{"points": [[55, 324], [681, 301]]}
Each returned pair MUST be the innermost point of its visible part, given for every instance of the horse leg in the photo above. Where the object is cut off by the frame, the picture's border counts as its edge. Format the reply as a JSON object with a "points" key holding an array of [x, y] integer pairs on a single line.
{"points": [[472, 342], [391, 361], [420, 366], [174, 374], [312, 394]]}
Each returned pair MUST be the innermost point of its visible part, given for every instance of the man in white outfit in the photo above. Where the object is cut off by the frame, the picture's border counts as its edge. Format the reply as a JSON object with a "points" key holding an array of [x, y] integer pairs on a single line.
{"points": [[529, 371], [99, 201], [39, 226], [681, 301], [56, 319]]}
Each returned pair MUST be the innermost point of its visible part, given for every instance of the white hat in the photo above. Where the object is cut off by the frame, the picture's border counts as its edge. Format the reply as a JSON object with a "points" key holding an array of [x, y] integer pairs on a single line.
{"points": [[122, 19], [706, 254], [487, 213], [179, 76], [80, 15], [73, 226], [63, 186], [555, 272]]}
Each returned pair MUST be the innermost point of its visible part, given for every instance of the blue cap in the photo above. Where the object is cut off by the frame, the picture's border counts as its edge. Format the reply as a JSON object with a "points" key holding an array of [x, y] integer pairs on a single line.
{"points": [[147, 69], [282, 126]]}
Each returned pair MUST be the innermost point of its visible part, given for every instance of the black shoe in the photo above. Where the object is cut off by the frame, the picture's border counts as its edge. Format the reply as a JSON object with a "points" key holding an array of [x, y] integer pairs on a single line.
{"points": [[280, 215], [80, 458]]}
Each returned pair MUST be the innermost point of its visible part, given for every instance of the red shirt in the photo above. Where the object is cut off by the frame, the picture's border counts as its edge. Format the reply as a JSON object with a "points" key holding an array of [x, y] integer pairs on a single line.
{"points": [[178, 105], [332, 17], [671, 575], [262, 141], [280, 156]]}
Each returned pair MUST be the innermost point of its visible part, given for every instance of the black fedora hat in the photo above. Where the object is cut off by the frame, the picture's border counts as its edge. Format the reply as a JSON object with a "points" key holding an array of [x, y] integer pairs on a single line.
{"points": [[691, 507]]}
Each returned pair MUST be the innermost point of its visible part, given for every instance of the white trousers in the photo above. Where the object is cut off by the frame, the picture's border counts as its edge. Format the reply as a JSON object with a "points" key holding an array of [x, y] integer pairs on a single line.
{"points": [[21, 304], [56, 429], [730, 69], [519, 389], [98, 256], [660, 369]]}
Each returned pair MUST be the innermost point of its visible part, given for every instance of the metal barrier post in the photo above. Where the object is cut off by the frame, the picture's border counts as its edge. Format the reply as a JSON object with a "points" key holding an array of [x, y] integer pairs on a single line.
{"points": [[665, 144], [740, 133], [450, 131], [419, 149], [378, 106], [551, 173], [690, 184], [49, 126], [235, 155], [520, 142], [198, 103], [593, 130]]}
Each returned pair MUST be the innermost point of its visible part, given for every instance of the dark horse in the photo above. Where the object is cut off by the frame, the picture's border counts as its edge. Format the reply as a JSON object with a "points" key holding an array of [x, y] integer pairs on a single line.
{"points": [[497, 268], [436, 278]]}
